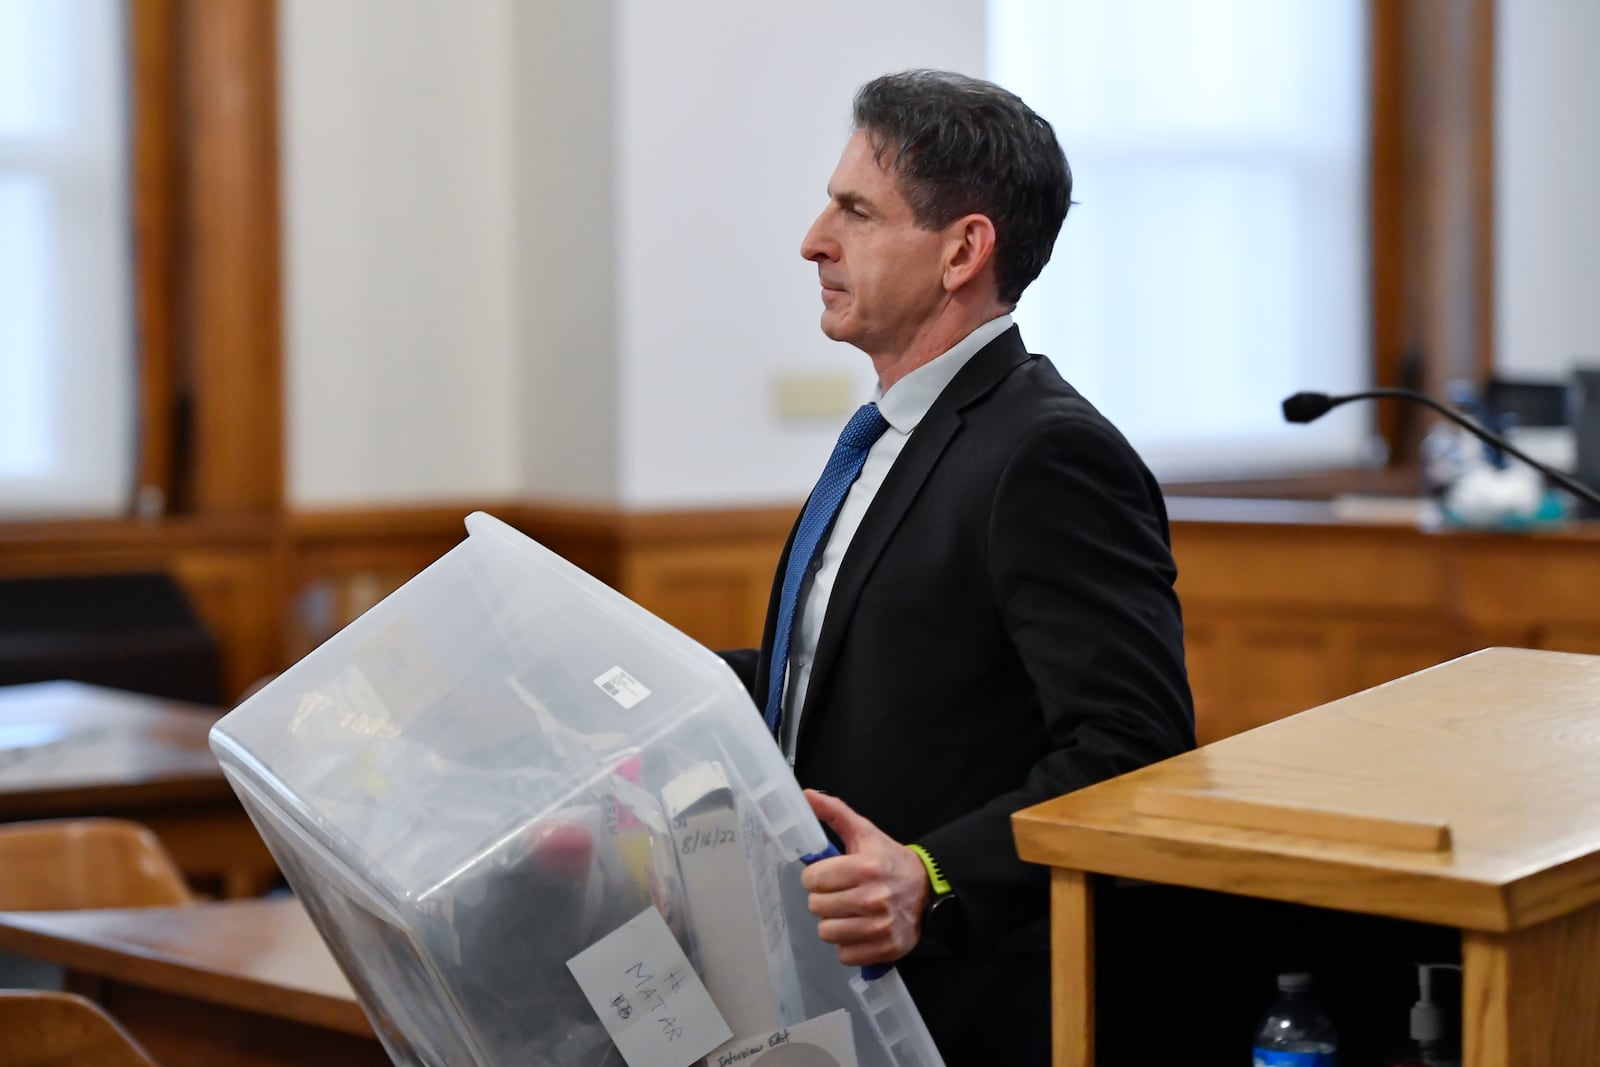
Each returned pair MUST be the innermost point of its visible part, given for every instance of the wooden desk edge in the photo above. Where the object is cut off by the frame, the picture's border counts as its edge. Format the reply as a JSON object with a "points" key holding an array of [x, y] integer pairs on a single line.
{"points": [[1341, 884], [135, 965], [1539, 895], [72, 799]]}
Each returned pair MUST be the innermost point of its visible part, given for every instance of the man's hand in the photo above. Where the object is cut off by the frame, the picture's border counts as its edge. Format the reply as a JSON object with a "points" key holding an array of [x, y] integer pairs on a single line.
{"points": [[870, 900]]}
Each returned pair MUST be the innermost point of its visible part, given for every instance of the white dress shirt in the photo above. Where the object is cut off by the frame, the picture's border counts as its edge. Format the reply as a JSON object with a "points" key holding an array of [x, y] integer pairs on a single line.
{"points": [[903, 407]]}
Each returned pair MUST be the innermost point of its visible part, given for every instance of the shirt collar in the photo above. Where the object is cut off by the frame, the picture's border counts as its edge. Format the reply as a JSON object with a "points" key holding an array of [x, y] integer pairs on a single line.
{"points": [[909, 399]]}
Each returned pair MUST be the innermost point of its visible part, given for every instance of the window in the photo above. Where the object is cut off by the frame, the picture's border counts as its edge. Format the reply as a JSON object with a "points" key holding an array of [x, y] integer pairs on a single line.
{"points": [[1217, 261], [66, 335]]}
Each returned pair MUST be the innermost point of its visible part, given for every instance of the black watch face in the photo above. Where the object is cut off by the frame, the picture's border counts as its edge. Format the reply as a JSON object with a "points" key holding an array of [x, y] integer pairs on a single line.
{"points": [[942, 919]]}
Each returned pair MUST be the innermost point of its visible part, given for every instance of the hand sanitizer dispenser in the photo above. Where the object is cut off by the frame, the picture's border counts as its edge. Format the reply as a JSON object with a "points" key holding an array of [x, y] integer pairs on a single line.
{"points": [[1435, 1047]]}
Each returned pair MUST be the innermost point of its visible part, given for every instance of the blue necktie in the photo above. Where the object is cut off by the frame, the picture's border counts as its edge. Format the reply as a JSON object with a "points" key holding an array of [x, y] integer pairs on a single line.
{"points": [[864, 427]]}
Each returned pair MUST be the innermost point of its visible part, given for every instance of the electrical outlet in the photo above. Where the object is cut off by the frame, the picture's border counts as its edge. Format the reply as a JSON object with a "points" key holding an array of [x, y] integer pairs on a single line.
{"points": [[816, 396]]}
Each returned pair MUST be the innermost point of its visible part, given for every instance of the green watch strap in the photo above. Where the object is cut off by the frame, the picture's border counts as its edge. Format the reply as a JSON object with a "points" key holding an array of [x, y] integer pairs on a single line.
{"points": [[935, 875]]}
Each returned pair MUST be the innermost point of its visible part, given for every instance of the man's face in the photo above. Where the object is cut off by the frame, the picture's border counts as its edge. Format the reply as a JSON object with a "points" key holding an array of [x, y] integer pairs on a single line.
{"points": [[881, 274]]}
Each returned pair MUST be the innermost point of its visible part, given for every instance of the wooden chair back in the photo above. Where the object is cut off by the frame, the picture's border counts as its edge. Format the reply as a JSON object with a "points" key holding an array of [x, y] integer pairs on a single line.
{"points": [[45, 1029], [68, 864]]}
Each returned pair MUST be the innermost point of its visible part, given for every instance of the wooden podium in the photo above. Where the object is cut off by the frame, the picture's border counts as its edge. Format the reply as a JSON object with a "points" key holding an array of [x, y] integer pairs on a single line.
{"points": [[1465, 796]]}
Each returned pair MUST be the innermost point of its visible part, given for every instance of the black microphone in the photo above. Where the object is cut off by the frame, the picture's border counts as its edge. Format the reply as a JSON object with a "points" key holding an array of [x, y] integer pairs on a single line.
{"points": [[1308, 407]]}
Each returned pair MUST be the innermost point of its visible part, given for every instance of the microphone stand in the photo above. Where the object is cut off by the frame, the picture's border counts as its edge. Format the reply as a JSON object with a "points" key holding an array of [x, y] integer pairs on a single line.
{"points": [[1308, 407]]}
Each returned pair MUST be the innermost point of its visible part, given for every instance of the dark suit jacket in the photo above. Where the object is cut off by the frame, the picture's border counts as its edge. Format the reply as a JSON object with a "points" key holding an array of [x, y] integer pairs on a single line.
{"points": [[1003, 629]]}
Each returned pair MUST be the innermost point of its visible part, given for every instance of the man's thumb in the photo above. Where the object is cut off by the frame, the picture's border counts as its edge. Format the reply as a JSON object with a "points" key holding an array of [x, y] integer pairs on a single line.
{"points": [[838, 816]]}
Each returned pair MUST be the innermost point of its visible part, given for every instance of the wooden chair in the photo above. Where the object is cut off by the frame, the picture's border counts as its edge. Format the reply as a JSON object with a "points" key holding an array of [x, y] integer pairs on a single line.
{"points": [[68, 864], [39, 1029]]}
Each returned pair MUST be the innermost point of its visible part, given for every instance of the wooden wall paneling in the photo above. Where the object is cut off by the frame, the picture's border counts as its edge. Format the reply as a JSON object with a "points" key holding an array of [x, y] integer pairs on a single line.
{"points": [[1251, 668], [1568, 637], [1278, 616], [339, 564], [1529, 580], [1370, 569], [1293, 615], [708, 573], [1208, 653], [590, 538], [226, 568], [1275, 666], [1281, 617], [1381, 651], [237, 593], [717, 594], [1532, 591]]}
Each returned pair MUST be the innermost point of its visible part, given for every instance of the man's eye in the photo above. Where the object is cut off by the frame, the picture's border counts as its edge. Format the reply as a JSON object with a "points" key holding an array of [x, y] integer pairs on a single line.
{"points": [[858, 213]]}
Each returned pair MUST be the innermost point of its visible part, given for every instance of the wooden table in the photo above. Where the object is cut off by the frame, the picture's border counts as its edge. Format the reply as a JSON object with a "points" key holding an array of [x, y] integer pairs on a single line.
{"points": [[69, 750], [238, 982], [1341, 808]]}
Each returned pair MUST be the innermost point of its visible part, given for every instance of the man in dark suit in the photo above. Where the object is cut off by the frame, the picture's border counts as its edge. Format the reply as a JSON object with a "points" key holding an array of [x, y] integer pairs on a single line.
{"points": [[976, 610]]}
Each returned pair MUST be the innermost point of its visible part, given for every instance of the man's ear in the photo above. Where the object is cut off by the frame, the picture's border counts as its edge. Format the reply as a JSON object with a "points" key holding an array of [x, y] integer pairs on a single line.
{"points": [[969, 250]]}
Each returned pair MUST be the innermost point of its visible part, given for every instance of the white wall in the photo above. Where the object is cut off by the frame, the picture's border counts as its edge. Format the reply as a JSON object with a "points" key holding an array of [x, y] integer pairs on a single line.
{"points": [[565, 155], [1547, 234], [552, 249], [397, 206], [732, 116]]}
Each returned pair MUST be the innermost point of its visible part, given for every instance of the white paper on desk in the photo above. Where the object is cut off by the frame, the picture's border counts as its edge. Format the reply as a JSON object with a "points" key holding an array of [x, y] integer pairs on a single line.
{"points": [[39, 756], [826, 1041], [647, 995], [30, 743]]}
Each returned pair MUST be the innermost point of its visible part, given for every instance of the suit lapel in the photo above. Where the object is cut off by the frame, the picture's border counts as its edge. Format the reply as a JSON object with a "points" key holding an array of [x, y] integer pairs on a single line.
{"points": [[905, 480], [763, 677]]}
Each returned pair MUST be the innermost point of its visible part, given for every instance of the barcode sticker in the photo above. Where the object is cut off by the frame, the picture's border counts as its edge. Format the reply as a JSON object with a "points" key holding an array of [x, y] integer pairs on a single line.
{"points": [[622, 687]]}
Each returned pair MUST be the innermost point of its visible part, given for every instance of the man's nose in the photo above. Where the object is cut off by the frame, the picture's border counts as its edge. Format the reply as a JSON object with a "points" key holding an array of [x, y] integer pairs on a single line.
{"points": [[816, 245]]}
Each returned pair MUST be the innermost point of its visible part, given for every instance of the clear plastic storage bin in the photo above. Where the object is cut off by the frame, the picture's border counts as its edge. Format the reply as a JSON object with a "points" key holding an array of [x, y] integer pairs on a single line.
{"points": [[537, 825]]}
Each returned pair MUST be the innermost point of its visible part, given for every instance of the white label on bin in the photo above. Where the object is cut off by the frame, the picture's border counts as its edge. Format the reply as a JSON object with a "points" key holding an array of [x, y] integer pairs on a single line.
{"points": [[648, 996], [826, 1041], [622, 687]]}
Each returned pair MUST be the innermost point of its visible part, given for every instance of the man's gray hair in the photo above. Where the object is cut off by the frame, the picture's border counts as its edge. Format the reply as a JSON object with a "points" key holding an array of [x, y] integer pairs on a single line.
{"points": [[961, 146]]}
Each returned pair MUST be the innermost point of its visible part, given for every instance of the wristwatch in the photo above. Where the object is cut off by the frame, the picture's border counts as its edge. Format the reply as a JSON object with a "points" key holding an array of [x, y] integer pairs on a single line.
{"points": [[941, 915]]}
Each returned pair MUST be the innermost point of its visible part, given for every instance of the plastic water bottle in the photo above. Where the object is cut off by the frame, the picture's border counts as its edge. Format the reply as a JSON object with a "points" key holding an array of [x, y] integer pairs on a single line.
{"points": [[1295, 1032]]}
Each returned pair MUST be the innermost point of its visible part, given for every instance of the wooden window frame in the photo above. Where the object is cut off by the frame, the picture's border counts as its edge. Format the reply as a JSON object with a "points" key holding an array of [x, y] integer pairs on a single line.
{"points": [[207, 254], [1432, 234], [1431, 230], [204, 216]]}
